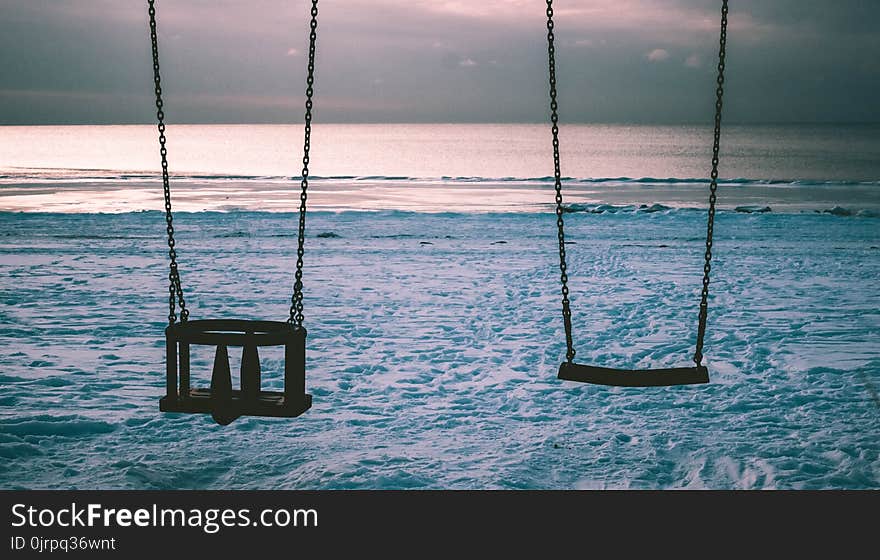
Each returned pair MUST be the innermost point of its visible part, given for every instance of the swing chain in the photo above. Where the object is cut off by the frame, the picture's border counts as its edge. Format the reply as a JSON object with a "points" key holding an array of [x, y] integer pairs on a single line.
{"points": [[557, 176], [713, 187], [174, 287], [296, 301]]}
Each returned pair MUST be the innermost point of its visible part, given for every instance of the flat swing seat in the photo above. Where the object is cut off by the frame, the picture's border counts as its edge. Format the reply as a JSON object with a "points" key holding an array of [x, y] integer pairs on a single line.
{"points": [[221, 401], [633, 377], [628, 377]]}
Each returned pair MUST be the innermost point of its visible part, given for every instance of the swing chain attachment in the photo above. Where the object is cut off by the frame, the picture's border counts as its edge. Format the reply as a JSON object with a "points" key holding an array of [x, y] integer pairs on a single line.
{"points": [[557, 176], [296, 300], [174, 287], [713, 187]]}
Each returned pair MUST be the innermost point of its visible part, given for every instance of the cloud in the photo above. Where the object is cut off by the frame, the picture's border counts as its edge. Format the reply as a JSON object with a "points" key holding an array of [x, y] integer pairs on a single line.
{"points": [[658, 55], [804, 60]]}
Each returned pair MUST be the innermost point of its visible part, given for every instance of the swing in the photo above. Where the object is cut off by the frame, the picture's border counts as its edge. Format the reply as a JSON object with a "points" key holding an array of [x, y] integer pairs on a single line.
{"points": [[221, 401], [571, 371]]}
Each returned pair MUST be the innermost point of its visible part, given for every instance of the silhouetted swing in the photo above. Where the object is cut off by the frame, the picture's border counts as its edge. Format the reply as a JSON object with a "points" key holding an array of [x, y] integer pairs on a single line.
{"points": [[571, 371], [223, 402]]}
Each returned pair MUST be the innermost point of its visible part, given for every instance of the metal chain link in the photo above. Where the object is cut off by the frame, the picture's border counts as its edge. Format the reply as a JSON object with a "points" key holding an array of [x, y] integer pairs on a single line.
{"points": [[174, 287], [713, 187], [557, 176], [296, 300]]}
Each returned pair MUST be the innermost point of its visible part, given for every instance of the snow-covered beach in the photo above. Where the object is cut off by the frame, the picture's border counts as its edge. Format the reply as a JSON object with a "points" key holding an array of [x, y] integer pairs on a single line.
{"points": [[433, 346]]}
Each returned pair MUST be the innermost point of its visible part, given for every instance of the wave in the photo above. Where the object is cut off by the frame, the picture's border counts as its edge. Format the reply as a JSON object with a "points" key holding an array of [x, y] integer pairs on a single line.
{"points": [[576, 208], [87, 175], [548, 208]]}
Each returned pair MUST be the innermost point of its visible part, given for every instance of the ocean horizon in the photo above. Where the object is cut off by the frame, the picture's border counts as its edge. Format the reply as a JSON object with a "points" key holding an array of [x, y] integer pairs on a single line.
{"points": [[444, 167]]}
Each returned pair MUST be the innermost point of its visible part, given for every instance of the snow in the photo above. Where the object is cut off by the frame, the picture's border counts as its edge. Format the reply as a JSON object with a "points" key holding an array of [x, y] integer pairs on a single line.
{"points": [[434, 339]]}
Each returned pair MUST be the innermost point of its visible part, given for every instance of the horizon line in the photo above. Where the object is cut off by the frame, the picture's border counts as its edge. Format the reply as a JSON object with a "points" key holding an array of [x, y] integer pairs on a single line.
{"points": [[422, 123]]}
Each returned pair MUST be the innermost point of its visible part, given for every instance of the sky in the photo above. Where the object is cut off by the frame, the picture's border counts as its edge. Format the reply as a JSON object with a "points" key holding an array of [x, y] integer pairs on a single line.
{"points": [[618, 61]]}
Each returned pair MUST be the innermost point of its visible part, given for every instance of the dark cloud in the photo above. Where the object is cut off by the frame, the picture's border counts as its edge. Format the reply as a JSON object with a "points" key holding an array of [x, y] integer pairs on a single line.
{"points": [[431, 60]]}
